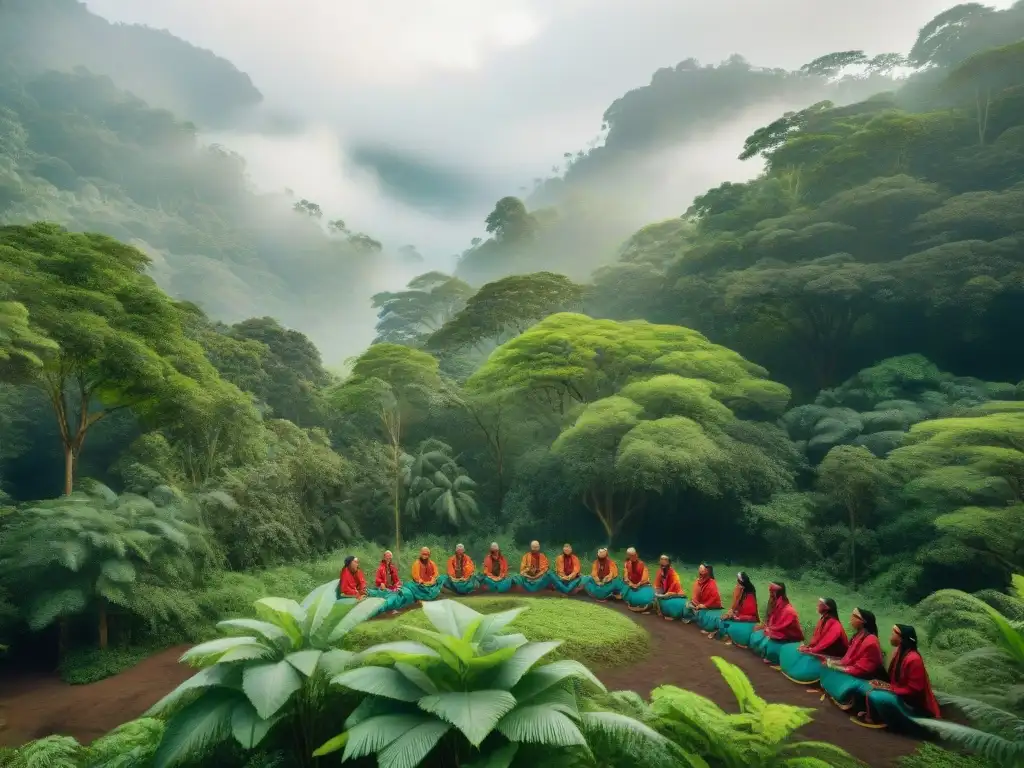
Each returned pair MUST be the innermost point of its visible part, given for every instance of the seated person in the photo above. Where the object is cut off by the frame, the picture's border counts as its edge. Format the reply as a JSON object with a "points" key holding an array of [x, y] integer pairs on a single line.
{"points": [[388, 586], [803, 664], [534, 574], [426, 579], [781, 626], [351, 581], [845, 678], [567, 572], [461, 576], [706, 603], [737, 624], [494, 576], [603, 582], [668, 591], [637, 592], [907, 695]]}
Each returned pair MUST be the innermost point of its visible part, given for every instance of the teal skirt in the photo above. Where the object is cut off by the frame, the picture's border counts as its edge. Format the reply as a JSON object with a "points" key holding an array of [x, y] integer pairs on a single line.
{"points": [[885, 707], [420, 592], [535, 585], [639, 599], [497, 585], [601, 591], [462, 587], [801, 668], [709, 619], [771, 649], [674, 607], [757, 641], [739, 632], [394, 600], [843, 689], [566, 587]]}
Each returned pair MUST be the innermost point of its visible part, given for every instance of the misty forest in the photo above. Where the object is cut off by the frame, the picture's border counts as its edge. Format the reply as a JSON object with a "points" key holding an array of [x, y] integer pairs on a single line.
{"points": [[241, 438]]}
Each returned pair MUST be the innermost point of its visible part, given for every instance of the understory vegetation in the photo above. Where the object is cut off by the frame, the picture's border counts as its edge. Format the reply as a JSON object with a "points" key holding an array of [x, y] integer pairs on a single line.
{"points": [[811, 375]]}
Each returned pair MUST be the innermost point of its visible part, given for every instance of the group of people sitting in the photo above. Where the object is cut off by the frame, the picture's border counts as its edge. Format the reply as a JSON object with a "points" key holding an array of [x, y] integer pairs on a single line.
{"points": [[851, 671]]}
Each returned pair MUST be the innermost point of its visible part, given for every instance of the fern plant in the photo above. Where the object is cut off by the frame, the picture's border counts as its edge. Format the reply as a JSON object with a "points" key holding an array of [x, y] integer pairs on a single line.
{"points": [[463, 691], [437, 483], [760, 734], [998, 735], [265, 671], [131, 745], [90, 551]]}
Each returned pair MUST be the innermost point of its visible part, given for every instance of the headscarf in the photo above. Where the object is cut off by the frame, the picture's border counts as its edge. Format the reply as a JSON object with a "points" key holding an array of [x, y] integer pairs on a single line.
{"points": [[460, 549], [495, 547], [631, 551], [604, 550], [603, 566], [870, 622], [666, 565], [710, 572]]}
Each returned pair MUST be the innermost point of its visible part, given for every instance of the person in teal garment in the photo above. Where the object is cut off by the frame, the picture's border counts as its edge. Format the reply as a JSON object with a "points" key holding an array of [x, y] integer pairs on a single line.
{"points": [[427, 581], [534, 570], [637, 591], [603, 583], [388, 586], [494, 575], [781, 626], [804, 663], [461, 572], [737, 624], [845, 679]]}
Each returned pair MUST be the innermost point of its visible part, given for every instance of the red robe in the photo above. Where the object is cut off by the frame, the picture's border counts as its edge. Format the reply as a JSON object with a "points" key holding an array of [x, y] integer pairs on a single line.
{"points": [[667, 582], [829, 638], [863, 658], [636, 571], [495, 568], [910, 682], [783, 626], [387, 577], [352, 584], [705, 592], [747, 609]]}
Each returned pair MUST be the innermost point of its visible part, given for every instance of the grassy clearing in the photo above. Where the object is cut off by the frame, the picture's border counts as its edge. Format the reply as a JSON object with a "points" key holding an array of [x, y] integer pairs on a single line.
{"points": [[931, 756], [592, 634]]}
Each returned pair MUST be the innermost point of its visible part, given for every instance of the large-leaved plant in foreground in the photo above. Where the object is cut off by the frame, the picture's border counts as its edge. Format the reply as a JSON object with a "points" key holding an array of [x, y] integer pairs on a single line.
{"points": [[268, 670], [463, 691]]}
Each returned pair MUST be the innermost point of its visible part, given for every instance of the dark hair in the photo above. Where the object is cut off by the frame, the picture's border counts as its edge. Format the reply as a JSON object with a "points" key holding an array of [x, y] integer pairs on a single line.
{"points": [[833, 609], [710, 569], [349, 559], [908, 642], [781, 591], [747, 584], [870, 622]]}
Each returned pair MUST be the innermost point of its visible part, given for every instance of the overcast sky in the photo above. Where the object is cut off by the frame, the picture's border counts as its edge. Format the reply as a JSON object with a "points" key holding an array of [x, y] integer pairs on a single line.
{"points": [[490, 92]]}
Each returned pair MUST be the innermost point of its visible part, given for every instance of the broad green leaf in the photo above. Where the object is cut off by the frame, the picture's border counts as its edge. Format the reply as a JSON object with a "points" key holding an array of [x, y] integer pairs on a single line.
{"points": [[248, 653], [561, 697], [248, 728], [332, 745], [471, 630], [335, 661], [373, 706], [319, 609], [493, 623], [265, 629], [211, 677], [416, 676], [310, 600], [371, 736], [379, 681], [205, 721], [412, 748], [453, 651], [364, 609], [287, 614], [305, 661], [494, 642], [541, 725], [475, 713], [269, 686], [208, 653], [508, 675], [450, 617], [399, 648], [541, 678], [502, 757]]}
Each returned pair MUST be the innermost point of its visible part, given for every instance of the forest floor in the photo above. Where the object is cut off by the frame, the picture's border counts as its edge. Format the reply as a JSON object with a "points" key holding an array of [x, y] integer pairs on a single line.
{"points": [[38, 705]]}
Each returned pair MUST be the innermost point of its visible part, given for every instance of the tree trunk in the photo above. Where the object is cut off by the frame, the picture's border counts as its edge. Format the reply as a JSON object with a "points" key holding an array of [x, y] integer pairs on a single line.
{"points": [[69, 469], [104, 629]]}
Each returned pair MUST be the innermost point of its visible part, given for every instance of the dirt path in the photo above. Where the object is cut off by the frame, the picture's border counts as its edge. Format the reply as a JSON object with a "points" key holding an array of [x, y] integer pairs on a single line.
{"points": [[35, 706]]}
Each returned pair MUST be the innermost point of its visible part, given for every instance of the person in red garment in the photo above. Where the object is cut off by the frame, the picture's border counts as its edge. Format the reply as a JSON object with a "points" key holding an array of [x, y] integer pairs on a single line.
{"points": [[782, 625], [907, 695], [804, 663], [706, 604], [844, 678], [351, 582], [736, 624], [669, 596], [494, 574], [388, 585]]}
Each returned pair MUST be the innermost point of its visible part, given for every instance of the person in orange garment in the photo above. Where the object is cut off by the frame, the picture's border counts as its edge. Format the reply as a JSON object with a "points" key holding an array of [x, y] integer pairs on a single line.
{"points": [[781, 626], [494, 576], [603, 582], [637, 592], [804, 663], [351, 581], [461, 574], [706, 603], [426, 579], [567, 572], [534, 570], [907, 695], [668, 591], [388, 586]]}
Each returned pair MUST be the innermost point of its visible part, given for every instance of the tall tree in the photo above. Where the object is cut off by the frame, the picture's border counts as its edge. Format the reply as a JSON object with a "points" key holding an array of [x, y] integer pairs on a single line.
{"points": [[409, 316]]}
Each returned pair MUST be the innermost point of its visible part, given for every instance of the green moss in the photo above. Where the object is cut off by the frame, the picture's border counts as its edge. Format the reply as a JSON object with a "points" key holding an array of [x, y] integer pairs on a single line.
{"points": [[84, 666], [930, 756], [593, 634]]}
